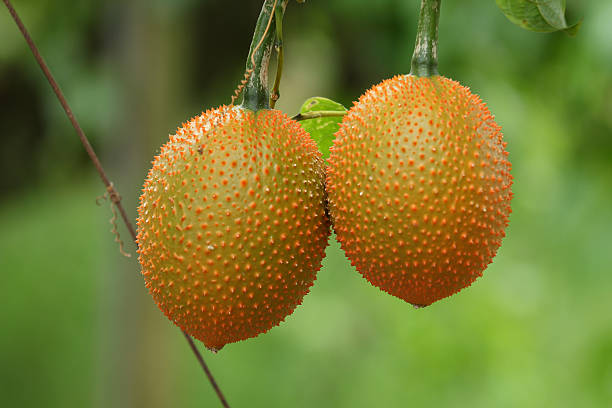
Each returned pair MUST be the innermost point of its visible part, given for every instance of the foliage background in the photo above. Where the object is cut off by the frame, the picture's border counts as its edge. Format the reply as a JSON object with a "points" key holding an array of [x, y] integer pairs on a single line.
{"points": [[77, 325]]}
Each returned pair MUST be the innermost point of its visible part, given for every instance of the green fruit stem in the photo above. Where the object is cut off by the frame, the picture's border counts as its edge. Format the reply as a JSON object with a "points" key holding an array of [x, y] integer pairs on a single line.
{"points": [[256, 94], [425, 57]]}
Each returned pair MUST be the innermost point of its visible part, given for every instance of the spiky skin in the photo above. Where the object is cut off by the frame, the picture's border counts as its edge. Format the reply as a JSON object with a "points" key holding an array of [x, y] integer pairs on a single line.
{"points": [[232, 226], [419, 187]]}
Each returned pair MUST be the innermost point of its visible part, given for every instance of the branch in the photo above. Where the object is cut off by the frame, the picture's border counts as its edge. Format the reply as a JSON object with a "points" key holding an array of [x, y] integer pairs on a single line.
{"points": [[114, 195]]}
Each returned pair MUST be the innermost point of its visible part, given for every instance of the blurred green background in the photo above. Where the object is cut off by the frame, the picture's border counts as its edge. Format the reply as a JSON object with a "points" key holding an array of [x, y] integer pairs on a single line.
{"points": [[78, 328]]}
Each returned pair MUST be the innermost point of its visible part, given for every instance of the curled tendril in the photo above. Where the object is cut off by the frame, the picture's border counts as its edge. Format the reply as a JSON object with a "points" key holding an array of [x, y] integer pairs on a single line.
{"points": [[114, 197]]}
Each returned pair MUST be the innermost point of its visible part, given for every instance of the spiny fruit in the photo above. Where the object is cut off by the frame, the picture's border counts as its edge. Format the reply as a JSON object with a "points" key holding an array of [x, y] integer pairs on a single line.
{"points": [[419, 187], [232, 226]]}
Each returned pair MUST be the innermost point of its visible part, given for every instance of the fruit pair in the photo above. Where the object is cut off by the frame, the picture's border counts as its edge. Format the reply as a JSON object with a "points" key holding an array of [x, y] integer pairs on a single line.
{"points": [[233, 218], [232, 225]]}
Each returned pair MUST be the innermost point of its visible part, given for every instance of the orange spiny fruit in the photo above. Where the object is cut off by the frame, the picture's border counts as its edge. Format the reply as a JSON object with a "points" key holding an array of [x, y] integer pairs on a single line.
{"points": [[232, 226], [419, 187]]}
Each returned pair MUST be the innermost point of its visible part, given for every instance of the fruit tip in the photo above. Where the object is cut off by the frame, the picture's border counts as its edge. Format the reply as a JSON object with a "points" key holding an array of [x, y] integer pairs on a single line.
{"points": [[214, 350]]}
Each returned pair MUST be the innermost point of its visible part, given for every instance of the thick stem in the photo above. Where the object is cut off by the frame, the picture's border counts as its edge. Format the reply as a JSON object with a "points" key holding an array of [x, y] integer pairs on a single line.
{"points": [[256, 95], [425, 57]]}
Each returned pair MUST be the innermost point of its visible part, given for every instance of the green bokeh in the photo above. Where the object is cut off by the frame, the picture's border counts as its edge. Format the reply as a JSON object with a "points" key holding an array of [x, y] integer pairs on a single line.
{"points": [[78, 327]]}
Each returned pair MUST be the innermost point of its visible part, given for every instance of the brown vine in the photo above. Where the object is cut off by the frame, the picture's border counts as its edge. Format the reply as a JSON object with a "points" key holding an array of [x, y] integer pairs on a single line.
{"points": [[111, 191]]}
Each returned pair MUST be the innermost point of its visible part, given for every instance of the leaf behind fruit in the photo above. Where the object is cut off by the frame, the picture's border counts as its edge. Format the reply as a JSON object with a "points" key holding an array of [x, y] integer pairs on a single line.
{"points": [[322, 130]]}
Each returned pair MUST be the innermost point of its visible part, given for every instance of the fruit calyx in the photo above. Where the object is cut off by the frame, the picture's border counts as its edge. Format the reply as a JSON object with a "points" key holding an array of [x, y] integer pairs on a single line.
{"points": [[425, 56]]}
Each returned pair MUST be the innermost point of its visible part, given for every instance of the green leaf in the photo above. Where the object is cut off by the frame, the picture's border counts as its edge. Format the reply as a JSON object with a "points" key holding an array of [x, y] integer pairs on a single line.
{"points": [[322, 129], [538, 15]]}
